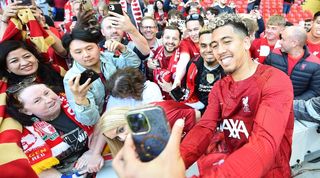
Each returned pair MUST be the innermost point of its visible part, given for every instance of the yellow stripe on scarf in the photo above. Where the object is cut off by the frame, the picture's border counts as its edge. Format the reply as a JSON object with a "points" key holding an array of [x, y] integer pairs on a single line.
{"points": [[10, 124], [10, 152], [45, 164]]}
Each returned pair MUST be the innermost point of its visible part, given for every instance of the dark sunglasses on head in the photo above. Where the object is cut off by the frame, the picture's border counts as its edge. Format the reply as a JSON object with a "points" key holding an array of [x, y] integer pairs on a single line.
{"points": [[17, 87], [193, 17]]}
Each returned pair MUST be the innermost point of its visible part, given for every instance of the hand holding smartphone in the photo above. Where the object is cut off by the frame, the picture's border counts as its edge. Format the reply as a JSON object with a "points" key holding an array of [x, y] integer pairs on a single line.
{"points": [[150, 131], [88, 74]]}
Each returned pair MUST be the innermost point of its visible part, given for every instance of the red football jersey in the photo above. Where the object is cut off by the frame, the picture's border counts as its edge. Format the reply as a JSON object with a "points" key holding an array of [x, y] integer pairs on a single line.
{"points": [[256, 118], [260, 49], [314, 48], [188, 46]]}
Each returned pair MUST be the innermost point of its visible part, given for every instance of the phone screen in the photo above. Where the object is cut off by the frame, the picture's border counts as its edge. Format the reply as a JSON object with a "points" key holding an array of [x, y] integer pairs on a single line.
{"points": [[26, 2], [177, 93]]}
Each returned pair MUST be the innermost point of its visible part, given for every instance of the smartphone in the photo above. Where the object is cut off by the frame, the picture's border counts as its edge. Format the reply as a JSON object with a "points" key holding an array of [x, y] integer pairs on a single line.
{"points": [[150, 131], [87, 5], [24, 2], [177, 93], [88, 74], [116, 8]]}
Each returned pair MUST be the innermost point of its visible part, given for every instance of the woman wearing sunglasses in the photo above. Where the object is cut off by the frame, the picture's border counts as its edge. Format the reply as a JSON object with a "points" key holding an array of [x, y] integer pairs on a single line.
{"points": [[51, 135]]}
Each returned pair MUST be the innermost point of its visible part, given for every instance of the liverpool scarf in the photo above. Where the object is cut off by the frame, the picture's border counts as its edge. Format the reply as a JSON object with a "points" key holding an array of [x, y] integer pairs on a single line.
{"points": [[168, 74], [42, 143], [135, 9], [164, 73]]}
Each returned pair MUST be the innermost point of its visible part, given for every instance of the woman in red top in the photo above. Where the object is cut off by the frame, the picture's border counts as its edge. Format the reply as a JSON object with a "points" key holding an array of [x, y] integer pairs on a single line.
{"points": [[160, 14]]}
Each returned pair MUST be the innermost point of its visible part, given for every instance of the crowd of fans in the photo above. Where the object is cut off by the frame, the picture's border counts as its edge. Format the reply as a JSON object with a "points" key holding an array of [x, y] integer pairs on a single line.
{"points": [[242, 78]]}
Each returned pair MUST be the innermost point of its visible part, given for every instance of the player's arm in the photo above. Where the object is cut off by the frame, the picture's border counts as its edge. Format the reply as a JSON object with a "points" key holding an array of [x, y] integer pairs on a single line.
{"points": [[197, 140]]}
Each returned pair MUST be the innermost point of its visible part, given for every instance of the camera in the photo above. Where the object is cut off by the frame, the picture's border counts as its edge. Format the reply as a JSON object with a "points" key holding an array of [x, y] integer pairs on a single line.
{"points": [[138, 123]]}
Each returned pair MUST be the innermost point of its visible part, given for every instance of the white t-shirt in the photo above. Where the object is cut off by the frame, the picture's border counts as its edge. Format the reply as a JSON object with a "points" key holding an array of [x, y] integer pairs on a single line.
{"points": [[151, 93]]}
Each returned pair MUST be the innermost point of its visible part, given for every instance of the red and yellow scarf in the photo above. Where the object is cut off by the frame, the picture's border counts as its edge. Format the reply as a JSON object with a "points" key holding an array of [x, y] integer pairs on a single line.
{"points": [[42, 143], [27, 28]]}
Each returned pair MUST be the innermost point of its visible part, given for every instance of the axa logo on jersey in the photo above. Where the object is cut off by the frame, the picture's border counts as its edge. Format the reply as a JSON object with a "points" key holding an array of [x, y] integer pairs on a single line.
{"points": [[235, 127]]}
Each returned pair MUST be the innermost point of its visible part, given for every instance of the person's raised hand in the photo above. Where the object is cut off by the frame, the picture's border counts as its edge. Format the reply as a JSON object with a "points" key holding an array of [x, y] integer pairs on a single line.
{"points": [[121, 22], [11, 10], [79, 91], [113, 45], [83, 17]]}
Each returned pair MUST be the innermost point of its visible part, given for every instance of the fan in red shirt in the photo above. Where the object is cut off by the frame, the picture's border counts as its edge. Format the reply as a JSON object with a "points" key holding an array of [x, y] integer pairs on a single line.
{"points": [[162, 65], [313, 41], [189, 46], [253, 106], [261, 47]]}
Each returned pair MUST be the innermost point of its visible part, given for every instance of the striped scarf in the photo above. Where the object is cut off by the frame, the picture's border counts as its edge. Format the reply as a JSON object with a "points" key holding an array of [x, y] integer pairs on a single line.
{"points": [[27, 28], [13, 162], [135, 8], [168, 74]]}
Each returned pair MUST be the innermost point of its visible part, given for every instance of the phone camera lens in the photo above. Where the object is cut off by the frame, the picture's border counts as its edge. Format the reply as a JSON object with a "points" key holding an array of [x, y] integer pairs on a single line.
{"points": [[138, 123]]}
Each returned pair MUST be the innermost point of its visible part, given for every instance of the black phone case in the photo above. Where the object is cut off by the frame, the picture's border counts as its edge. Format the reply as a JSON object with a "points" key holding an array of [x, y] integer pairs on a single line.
{"points": [[88, 74], [151, 144], [176, 94], [25, 3], [116, 8]]}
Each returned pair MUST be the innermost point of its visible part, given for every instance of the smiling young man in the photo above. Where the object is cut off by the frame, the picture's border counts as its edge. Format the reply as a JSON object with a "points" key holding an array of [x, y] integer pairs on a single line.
{"points": [[189, 46], [246, 103], [202, 72], [261, 47], [313, 41]]}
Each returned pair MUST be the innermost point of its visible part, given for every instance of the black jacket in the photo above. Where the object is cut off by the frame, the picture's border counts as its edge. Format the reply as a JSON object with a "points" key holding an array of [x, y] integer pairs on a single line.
{"points": [[305, 75]]}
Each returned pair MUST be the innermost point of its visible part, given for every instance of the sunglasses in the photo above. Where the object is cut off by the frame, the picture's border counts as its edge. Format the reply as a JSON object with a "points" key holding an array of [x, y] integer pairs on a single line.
{"points": [[23, 84], [193, 17]]}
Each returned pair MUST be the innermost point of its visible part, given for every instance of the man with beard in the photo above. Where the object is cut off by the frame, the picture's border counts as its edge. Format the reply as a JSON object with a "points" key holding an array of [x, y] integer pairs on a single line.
{"points": [[113, 28], [296, 61], [261, 47], [162, 63], [313, 41], [189, 46], [149, 29], [202, 72]]}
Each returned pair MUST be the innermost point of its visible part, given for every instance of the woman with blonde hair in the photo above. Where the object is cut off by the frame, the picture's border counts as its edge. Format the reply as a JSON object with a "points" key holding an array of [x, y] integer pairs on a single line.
{"points": [[114, 126], [114, 122]]}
